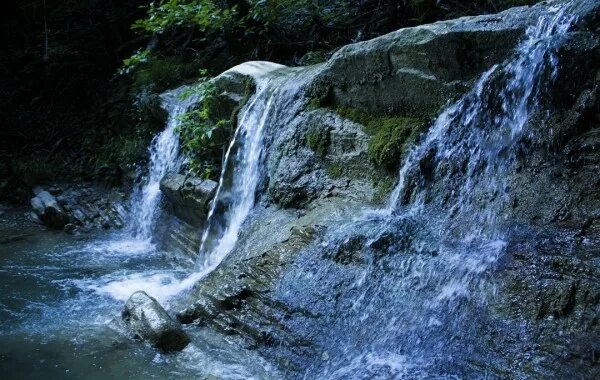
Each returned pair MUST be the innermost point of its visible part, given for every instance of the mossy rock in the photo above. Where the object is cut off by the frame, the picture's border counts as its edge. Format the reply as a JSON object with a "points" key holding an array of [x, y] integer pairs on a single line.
{"points": [[391, 135], [206, 130], [384, 185], [318, 140], [335, 170]]}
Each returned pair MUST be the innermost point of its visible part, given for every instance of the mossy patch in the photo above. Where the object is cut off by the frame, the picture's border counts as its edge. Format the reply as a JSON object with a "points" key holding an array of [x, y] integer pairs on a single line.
{"points": [[206, 130], [318, 140], [335, 170], [383, 187], [391, 135]]}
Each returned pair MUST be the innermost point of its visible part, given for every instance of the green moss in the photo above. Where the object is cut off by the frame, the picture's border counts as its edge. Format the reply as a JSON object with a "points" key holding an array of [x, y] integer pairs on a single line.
{"points": [[391, 135], [335, 170], [318, 140], [313, 104]]}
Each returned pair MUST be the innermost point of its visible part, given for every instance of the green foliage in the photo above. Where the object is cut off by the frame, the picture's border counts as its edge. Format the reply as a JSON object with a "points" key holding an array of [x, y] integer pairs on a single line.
{"points": [[391, 135], [132, 62], [204, 132], [160, 73], [202, 14], [122, 151]]}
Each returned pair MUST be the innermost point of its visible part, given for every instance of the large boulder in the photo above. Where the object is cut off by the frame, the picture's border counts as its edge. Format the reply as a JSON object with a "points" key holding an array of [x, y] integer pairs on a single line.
{"points": [[414, 71], [148, 320], [47, 208], [189, 197]]}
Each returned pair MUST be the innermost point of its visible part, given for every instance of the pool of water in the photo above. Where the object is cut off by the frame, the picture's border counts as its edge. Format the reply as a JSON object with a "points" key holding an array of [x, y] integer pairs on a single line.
{"points": [[61, 294]]}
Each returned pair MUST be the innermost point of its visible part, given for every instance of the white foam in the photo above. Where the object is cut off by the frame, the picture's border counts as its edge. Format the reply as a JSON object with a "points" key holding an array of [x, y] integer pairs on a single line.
{"points": [[124, 246], [159, 284]]}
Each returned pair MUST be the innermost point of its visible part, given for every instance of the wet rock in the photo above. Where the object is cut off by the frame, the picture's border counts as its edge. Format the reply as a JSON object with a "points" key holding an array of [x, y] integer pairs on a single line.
{"points": [[189, 197], [48, 210], [34, 217], [70, 228], [320, 153], [147, 320]]}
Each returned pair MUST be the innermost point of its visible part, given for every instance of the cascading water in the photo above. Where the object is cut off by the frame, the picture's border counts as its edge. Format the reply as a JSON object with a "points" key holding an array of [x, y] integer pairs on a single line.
{"points": [[274, 102], [245, 175], [395, 293], [417, 301], [482, 131], [164, 158]]}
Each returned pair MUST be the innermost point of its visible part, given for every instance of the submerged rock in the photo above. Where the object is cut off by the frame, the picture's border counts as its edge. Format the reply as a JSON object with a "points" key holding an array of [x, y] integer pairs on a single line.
{"points": [[147, 320]]}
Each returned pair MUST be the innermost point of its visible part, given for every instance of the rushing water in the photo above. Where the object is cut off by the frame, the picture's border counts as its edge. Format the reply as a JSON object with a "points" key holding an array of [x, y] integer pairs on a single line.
{"points": [[484, 128], [277, 100], [164, 158], [414, 305], [55, 324]]}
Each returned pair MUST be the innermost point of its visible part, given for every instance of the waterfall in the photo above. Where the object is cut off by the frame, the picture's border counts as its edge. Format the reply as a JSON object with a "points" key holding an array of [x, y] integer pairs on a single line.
{"points": [[244, 177], [164, 158], [417, 298], [483, 129], [275, 102]]}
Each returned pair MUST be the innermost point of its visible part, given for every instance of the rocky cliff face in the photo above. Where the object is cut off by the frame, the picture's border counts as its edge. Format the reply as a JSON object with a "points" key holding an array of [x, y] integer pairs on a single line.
{"points": [[314, 274]]}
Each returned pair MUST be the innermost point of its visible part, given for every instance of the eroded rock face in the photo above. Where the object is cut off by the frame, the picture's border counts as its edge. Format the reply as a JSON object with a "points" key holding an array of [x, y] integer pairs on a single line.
{"points": [[414, 71], [148, 321], [189, 197]]}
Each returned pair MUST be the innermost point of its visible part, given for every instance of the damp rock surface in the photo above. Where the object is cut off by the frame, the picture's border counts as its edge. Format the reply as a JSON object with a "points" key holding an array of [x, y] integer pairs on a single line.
{"points": [[148, 320], [189, 196]]}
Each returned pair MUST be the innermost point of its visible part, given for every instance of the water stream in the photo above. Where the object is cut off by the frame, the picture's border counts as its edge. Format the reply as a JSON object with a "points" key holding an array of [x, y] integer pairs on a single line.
{"points": [[415, 306], [164, 158], [416, 300]]}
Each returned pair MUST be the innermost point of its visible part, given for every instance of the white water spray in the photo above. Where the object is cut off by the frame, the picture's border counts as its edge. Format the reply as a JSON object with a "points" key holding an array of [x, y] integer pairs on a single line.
{"points": [[164, 158], [485, 126]]}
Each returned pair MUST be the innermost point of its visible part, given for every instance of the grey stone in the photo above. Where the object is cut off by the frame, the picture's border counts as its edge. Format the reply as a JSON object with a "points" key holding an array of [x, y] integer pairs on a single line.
{"points": [[189, 197], [48, 210], [79, 216], [148, 320]]}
